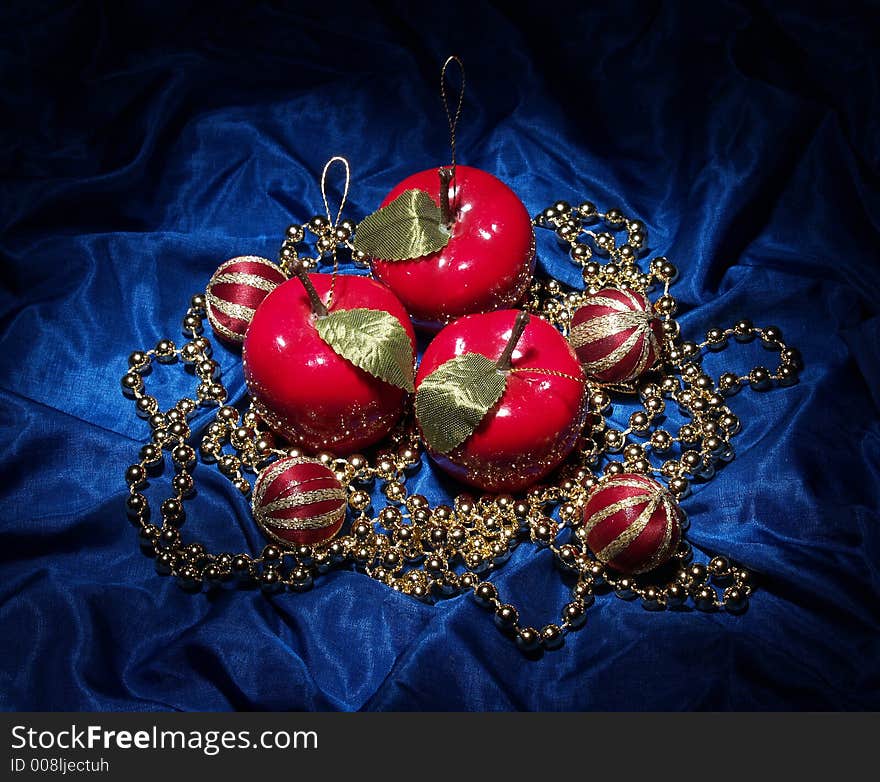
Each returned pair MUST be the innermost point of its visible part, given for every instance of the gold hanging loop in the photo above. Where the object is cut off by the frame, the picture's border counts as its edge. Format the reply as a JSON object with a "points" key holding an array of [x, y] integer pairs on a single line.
{"points": [[336, 159], [334, 223], [453, 118]]}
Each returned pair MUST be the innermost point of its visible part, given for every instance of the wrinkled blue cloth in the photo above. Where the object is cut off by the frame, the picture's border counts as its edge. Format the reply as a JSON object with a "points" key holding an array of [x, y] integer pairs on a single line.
{"points": [[143, 144]]}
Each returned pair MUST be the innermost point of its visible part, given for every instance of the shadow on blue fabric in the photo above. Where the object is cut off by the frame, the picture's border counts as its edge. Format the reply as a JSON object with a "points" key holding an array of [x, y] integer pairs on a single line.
{"points": [[145, 143]]}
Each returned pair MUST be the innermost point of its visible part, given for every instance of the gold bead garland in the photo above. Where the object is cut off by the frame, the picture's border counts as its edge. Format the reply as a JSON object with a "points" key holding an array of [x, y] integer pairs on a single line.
{"points": [[433, 552]]}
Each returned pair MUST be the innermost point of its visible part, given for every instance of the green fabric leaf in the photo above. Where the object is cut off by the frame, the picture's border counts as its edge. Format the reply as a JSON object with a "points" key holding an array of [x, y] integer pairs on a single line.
{"points": [[453, 400], [373, 340], [409, 227]]}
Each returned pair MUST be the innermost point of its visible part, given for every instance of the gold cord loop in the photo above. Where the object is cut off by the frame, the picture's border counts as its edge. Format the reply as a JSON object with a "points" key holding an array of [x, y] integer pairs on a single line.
{"points": [[334, 223], [336, 159]]}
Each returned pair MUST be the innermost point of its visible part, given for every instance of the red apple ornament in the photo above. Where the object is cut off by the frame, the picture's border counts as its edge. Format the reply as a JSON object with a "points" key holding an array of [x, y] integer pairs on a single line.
{"points": [[500, 399], [329, 363], [451, 241], [488, 257]]}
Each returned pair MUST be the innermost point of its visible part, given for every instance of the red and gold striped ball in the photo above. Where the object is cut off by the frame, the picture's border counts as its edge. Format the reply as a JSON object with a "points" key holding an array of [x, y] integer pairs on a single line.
{"points": [[235, 291], [616, 335], [298, 501], [633, 523]]}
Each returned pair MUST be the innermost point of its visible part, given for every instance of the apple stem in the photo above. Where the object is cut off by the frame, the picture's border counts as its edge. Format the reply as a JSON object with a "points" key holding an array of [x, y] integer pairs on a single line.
{"points": [[447, 174], [318, 306], [519, 326]]}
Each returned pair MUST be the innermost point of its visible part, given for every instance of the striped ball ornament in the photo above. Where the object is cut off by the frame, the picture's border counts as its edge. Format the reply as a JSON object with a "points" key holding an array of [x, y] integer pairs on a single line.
{"points": [[235, 291], [298, 501], [616, 335], [633, 523]]}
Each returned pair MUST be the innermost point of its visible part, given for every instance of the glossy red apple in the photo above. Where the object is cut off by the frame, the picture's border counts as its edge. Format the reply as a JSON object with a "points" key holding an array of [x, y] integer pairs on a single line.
{"points": [[537, 420], [487, 264], [302, 388]]}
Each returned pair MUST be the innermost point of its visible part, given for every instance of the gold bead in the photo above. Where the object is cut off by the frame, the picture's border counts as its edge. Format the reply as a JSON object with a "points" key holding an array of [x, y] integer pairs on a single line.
{"points": [[604, 242], [389, 516], [138, 360], [568, 512], [679, 486], [614, 440], [417, 501], [587, 210], [319, 225], [670, 384], [210, 448], [600, 401], [671, 329], [716, 338], [229, 464], [633, 451], [386, 466], [359, 500], [241, 437], [420, 515], [443, 513], [655, 405], [504, 501], [688, 433], [545, 530], [263, 446], [227, 414], [395, 491], [186, 406], [207, 368], [666, 305], [580, 253], [639, 421], [661, 440], [217, 392], [132, 382], [165, 350]]}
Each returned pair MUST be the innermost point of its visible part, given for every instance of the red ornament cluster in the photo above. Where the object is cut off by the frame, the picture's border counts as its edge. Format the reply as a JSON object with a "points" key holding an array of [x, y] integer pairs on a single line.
{"points": [[319, 400]]}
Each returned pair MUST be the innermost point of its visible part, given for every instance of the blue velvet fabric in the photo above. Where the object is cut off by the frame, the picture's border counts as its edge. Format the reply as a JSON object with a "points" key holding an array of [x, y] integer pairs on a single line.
{"points": [[143, 144]]}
